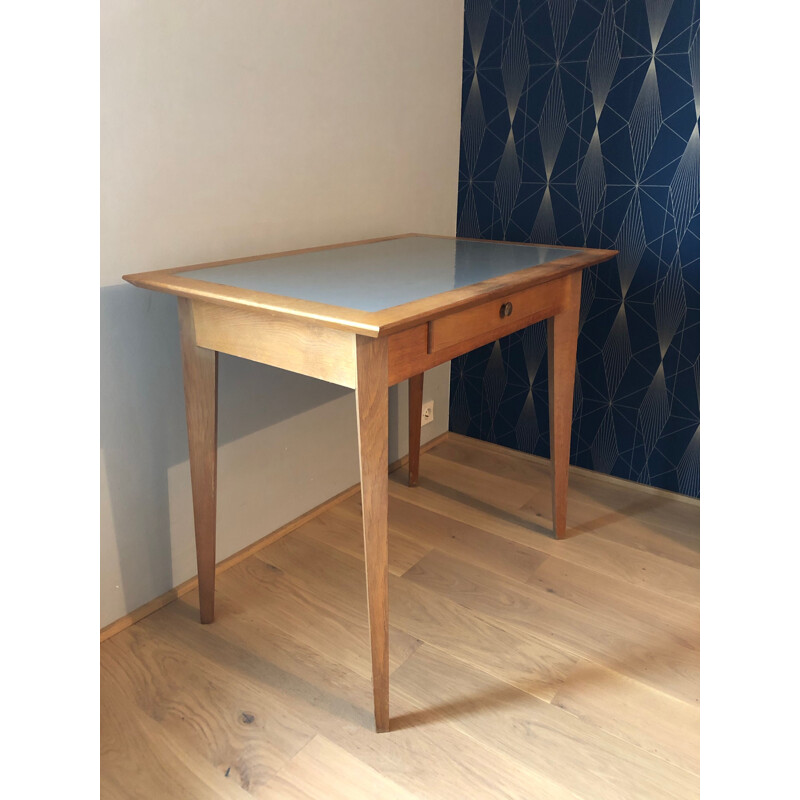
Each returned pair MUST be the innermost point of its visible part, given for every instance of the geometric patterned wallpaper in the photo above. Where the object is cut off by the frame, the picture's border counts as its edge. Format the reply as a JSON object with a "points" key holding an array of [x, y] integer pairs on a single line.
{"points": [[580, 127]]}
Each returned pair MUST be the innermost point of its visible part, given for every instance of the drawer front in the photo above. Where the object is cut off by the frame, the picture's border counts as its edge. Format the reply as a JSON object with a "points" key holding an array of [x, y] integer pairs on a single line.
{"points": [[491, 320]]}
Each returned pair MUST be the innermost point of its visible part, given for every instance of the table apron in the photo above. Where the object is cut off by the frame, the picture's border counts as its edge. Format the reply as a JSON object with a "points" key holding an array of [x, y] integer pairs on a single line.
{"points": [[329, 354], [422, 347], [291, 344]]}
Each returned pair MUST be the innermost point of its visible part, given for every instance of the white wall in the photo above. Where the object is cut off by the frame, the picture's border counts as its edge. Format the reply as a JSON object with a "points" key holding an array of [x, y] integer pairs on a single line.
{"points": [[232, 129]]}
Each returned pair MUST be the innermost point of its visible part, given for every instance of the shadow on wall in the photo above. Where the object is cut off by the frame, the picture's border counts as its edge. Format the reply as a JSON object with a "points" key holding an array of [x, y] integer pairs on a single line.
{"points": [[143, 423]]}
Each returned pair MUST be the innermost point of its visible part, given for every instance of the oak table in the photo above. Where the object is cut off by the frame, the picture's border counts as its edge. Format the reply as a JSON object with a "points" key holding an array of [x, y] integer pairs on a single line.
{"points": [[368, 315]]}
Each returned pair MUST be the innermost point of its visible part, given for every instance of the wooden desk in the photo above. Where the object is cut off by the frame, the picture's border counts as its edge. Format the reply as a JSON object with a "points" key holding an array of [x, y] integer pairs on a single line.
{"points": [[368, 315]]}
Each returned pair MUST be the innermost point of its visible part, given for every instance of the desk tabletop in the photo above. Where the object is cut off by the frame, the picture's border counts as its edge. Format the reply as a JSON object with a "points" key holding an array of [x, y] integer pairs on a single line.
{"points": [[378, 286]]}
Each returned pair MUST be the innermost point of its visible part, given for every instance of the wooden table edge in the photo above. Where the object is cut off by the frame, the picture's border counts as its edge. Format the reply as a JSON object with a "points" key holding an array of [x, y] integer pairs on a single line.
{"points": [[367, 323]]}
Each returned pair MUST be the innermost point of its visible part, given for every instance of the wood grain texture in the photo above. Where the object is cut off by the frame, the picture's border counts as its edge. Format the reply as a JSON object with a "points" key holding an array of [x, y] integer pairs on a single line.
{"points": [[597, 485], [297, 345], [365, 323], [483, 323], [654, 523], [646, 718], [200, 392], [607, 598], [140, 758], [408, 354], [372, 401], [415, 384], [588, 761], [290, 603], [187, 586], [503, 507], [431, 759], [170, 686], [418, 526], [520, 666], [323, 771], [562, 344], [627, 646], [528, 661], [424, 346], [342, 530]]}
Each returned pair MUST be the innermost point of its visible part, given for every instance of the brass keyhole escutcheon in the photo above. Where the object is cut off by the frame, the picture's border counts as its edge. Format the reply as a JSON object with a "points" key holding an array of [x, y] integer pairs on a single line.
{"points": [[506, 309]]}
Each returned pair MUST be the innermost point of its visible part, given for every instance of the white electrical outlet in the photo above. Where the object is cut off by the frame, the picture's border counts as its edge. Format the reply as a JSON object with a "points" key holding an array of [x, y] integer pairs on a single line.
{"points": [[427, 412]]}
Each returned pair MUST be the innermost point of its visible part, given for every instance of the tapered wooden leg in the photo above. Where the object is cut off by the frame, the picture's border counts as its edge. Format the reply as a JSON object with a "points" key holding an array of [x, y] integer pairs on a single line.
{"points": [[372, 400], [414, 426], [562, 344], [200, 390]]}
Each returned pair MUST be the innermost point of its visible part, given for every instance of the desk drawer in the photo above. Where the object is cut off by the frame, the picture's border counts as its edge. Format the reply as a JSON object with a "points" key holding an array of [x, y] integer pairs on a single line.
{"points": [[489, 321]]}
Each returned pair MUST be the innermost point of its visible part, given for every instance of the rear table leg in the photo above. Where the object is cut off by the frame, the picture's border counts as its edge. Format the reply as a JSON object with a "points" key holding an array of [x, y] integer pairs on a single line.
{"points": [[414, 426], [562, 344]]}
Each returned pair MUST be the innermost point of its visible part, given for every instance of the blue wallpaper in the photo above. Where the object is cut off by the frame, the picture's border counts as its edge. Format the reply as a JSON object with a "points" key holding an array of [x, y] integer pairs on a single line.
{"points": [[580, 126]]}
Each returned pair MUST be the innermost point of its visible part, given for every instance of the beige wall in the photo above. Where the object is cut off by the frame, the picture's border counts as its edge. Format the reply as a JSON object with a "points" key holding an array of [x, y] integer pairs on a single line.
{"points": [[230, 129]]}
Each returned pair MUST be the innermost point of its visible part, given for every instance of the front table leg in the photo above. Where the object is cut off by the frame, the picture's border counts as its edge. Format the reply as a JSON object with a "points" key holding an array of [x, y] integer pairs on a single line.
{"points": [[200, 390], [562, 344], [372, 400]]}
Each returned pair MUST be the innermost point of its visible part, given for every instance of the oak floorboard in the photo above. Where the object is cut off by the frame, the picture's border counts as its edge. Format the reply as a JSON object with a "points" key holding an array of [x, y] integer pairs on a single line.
{"points": [[594, 590], [140, 761], [652, 522], [335, 624], [623, 516], [340, 529], [631, 646], [500, 507], [520, 666], [603, 597], [651, 720], [584, 581], [411, 523], [662, 510], [521, 658], [250, 645], [648, 655], [250, 739], [323, 771], [618, 526], [431, 760], [587, 760]]}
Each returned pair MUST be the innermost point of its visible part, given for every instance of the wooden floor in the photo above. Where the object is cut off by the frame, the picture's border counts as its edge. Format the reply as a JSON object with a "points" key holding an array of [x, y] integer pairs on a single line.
{"points": [[522, 667]]}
